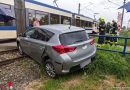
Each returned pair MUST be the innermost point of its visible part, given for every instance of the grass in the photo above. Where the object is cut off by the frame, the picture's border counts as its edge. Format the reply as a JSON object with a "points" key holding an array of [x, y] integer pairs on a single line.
{"points": [[110, 63], [107, 72], [75, 81]]}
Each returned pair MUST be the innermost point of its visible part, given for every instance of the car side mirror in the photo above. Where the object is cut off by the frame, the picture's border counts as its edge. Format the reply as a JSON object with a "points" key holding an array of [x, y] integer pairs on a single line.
{"points": [[21, 35]]}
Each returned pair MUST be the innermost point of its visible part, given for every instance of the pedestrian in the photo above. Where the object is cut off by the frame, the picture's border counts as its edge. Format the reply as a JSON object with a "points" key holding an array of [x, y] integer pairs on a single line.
{"points": [[36, 23], [113, 32], [108, 30], [102, 28]]}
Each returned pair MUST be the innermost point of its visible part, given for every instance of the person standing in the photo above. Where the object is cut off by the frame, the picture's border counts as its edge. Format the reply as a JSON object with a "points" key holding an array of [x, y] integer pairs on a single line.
{"points": [[36, 23], [108, 30], [102, 28], [113, 32]]}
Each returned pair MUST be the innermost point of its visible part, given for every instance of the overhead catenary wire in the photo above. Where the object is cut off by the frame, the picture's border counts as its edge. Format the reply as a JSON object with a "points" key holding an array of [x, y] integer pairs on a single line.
{"points": [[113, 3], [55, 2], [86, 6]]}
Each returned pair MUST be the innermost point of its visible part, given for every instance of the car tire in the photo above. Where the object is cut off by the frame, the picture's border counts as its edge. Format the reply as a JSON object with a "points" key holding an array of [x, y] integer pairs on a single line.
{"points": [[49, 69], [20, 49]]}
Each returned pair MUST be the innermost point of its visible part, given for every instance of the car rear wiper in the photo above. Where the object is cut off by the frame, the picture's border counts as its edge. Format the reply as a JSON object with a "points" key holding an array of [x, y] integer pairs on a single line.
{"points": [[78, 41]]}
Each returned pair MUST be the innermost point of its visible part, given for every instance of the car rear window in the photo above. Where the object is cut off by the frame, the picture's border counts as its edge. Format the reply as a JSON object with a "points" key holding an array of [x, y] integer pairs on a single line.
{"points": [[73, 37]]}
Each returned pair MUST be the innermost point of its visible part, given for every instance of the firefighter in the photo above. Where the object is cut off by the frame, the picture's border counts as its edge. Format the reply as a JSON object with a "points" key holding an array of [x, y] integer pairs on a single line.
{"points": [[102, 27], [113, 32], [108, 29]]}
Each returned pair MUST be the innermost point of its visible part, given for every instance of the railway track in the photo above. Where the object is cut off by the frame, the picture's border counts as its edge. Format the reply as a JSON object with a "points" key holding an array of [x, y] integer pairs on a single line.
{"points": [[8, 50], [9, 56]]}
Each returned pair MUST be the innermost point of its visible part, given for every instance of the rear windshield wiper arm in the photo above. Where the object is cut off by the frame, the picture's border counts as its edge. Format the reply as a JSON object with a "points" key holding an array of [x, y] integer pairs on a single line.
{"points": [[78, 41]]}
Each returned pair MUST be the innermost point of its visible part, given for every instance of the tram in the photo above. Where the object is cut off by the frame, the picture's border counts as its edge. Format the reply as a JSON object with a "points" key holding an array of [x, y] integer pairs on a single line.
{"points": [[46, 14]]}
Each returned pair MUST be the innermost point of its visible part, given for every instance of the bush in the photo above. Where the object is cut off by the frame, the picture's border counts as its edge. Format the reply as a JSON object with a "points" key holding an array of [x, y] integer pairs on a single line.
{"points": [[109, 63]]}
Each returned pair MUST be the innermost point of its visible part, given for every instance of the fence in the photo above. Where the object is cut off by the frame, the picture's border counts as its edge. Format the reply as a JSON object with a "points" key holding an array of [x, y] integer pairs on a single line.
{"points": [[119, 37]]}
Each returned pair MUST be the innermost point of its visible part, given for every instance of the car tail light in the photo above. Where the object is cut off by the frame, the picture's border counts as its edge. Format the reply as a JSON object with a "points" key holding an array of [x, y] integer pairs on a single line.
{"points": [[63, 49], [92, 41]]}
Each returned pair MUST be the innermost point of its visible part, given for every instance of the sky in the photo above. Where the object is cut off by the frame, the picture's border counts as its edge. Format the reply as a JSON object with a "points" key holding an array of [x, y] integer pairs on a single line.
{"points": [[88, 7]]}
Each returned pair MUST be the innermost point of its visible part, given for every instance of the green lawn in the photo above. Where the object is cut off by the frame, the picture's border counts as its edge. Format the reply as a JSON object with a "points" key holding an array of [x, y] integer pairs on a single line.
{"points": [[108, 71]]}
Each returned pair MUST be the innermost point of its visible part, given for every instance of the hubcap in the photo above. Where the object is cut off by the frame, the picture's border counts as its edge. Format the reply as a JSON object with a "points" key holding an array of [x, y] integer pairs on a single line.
{"points": [[50, 70]]}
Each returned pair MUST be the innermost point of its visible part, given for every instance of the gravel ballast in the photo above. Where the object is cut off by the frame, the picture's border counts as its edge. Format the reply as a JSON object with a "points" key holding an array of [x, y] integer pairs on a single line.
{"points": [[20, 73]]}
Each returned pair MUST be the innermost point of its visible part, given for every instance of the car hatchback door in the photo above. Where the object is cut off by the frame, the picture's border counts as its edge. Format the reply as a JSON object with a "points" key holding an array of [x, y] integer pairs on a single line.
{"points": [[80, 41]]}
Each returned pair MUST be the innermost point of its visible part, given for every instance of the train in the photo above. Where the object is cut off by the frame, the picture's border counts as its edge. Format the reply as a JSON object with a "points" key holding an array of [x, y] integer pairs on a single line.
{"points": [[46, 14]]}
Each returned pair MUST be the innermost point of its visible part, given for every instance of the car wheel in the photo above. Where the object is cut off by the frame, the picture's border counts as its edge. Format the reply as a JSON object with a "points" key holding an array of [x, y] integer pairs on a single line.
{"points": [[50, 70], [20, 49]]}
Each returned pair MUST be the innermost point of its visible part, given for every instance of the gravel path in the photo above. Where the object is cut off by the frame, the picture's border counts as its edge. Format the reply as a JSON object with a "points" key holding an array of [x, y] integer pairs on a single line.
{"points": [[20, 73]]}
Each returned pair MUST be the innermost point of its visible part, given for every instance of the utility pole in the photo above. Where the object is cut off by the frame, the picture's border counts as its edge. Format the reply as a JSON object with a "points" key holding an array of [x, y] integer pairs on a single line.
{"points": [[20, 14], [79, 8], [123, 14]]}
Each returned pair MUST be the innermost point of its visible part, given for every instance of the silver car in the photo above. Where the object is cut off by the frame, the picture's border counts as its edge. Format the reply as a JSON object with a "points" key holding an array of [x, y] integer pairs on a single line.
{"points": [[60, 48]]}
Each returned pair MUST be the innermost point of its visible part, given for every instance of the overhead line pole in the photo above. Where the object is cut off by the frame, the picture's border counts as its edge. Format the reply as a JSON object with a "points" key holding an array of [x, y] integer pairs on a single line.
{"points": [[20, 14], [123, 14], [79, 8]]}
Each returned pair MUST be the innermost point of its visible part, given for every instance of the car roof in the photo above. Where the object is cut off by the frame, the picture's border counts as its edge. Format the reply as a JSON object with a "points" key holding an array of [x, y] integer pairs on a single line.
{"points": [[60, 28]]}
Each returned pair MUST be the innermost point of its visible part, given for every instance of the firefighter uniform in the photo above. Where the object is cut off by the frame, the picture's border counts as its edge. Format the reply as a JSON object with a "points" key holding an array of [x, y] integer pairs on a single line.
{"points": [[114, 33], [108, 29], [102, 27]]}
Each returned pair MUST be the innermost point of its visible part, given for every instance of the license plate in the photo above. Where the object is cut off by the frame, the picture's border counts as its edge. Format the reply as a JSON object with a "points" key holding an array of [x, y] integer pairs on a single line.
{"points": [[85, 63]]}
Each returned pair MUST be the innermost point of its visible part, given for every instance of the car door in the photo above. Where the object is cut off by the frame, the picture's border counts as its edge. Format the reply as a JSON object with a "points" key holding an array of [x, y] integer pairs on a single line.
{"points": [[25, 40], [38, 45]]}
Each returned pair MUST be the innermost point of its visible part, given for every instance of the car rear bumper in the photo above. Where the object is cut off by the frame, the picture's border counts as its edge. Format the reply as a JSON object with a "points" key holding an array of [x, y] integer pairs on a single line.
{"points": [[77, 65], [70, 66]]}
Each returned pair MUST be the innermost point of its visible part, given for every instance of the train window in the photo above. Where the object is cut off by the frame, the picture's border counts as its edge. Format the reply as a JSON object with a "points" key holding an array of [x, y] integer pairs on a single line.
{"points": [[31, 16], [83, 24], [78, 22], [55, 19], [87, 24], [42, 17], [65, 20], [6, 21], [90, 24]]}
